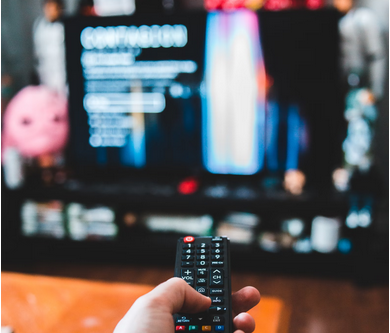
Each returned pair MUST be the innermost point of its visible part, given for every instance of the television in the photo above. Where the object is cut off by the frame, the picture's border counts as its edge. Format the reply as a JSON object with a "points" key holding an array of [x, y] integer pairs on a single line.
{"points": [[236, 93]]}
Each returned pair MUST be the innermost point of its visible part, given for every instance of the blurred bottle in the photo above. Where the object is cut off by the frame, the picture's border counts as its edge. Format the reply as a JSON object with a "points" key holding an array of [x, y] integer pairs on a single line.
{"points": [[325, 234]]}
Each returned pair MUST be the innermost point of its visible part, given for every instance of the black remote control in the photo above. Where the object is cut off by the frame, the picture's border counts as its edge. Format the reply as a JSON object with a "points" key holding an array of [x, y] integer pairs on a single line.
{"points": [[204, 263]]}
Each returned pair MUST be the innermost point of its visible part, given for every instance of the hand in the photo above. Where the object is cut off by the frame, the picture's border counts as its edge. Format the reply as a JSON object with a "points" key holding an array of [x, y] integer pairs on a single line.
{"points": [[152, 313]]}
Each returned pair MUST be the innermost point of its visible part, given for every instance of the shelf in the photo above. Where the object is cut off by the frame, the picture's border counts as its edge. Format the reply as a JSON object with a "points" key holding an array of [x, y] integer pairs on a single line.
{"points": [[125, 195], [140, 246]]}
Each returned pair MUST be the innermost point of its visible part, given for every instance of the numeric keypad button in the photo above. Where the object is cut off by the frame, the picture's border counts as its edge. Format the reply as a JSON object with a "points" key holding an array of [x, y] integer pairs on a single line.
{"points": [[187, 264], [202, 263], [202, 257], [202, 251], [217, 251], [217, 257], [187, 257], [203, 246], [188, 251], [217, 246]]}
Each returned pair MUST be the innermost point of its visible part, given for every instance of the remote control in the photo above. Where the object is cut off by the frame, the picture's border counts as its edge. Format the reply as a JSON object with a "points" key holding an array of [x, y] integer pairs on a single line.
{"points": [[204, 263]]}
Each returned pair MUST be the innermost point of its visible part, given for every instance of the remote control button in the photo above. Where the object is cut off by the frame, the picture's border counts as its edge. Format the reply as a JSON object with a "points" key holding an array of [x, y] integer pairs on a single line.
{"points": [[217, 264], [202, 290], [188, 276], [202, 257], [202, 318], [219, 328], [216, 292], [203, 246], [188, 251], [217, 251], [183, 320], [216, 277], [218, 320], [217, 309], [217, 240], [188, 246], [187, 272], [187, 257], [191, 283], [193, 328], [217, 272], [202, 251], [187, 264], [216, 283], [217, 300], [217, 245], [201, 282], [206, 328], [202, 263], [202, 272], [217, 257], [189, 239], [180, 328]]}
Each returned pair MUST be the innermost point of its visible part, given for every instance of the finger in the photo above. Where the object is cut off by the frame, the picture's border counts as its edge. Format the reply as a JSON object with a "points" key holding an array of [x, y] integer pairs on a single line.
{"points": [[244, 322], [245, 299], [176, 295]]}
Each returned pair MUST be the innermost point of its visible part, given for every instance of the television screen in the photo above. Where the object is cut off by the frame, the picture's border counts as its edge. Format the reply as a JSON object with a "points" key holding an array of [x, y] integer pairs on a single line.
{"points": [[236, 93], [134, 90]]}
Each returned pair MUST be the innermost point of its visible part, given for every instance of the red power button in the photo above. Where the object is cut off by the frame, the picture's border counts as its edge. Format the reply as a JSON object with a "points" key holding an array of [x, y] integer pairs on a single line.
{"points": [[189, 239]]}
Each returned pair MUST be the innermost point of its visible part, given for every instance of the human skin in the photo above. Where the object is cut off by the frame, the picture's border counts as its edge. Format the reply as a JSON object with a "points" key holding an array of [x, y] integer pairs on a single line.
{"points": [[152, 313], [343, 6], [52, 11]]}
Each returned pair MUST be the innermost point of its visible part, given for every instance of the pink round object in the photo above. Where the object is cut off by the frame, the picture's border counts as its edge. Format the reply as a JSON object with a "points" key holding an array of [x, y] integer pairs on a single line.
{"points": [[36, 122]]}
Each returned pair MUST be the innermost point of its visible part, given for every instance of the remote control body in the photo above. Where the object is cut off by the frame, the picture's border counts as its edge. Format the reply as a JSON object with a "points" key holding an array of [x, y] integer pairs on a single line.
{"points": [[204, 263]]}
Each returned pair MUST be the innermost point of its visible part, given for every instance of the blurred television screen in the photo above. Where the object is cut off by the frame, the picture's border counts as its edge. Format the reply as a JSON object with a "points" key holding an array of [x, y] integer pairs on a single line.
{"points": [[134, 90], [236, 93]]}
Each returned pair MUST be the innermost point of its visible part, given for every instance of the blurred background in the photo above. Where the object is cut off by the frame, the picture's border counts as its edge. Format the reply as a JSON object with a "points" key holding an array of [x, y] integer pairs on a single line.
{"points": [[127, 124]]}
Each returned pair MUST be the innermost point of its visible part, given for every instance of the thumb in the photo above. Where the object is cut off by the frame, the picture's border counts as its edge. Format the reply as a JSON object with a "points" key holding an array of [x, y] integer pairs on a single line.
{"points": [[177, 296]]}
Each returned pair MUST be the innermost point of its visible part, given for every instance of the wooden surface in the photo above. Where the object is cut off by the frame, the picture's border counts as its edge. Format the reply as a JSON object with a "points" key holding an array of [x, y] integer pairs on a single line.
{"points": [[317, 305], [43, 304]]}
